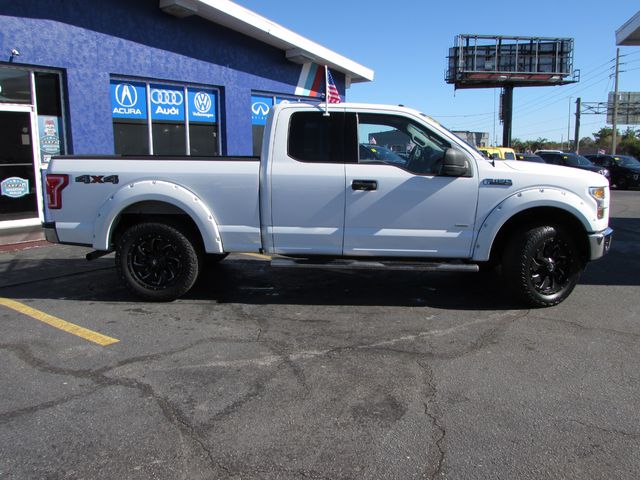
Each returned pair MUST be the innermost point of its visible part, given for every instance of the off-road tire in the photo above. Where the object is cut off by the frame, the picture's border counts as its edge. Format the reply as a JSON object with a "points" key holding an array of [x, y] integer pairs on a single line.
{"points": [[157, 262], [542, 265]]}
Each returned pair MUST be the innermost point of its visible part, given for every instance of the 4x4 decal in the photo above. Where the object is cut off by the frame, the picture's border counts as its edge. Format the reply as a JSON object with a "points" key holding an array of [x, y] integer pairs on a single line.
{"points": [[98, 179]]}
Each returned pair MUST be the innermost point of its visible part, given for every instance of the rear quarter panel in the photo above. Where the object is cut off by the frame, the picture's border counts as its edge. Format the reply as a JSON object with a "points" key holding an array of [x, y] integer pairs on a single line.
{"points": [[228, 189]]}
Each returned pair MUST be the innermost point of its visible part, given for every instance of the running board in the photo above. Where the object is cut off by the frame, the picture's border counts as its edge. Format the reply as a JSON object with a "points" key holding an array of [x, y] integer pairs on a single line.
{"points": [[375, 265]]}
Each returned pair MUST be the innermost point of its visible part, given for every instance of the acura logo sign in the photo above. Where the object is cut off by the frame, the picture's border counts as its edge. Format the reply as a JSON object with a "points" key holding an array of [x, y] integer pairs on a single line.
{"points": [[166, 97], [126, 95], [260, 108]]}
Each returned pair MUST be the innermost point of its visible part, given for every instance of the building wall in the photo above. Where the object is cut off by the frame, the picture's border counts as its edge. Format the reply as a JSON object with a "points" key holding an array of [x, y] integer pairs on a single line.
{"points": [[93, 39]]}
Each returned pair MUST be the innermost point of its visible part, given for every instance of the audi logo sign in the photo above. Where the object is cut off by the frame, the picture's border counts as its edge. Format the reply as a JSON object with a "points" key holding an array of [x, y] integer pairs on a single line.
{"points": [[167, 97]]}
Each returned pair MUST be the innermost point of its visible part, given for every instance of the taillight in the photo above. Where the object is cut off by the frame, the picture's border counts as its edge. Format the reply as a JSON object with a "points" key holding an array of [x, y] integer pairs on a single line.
{"points": [[55, 185]]}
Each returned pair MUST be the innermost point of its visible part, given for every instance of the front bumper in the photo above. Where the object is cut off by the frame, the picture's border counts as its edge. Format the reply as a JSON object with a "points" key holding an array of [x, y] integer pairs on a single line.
{"points": [[600, 243], [50, 232]]}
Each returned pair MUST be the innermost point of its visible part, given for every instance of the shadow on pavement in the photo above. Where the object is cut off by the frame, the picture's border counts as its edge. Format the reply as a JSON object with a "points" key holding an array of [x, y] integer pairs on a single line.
{"points": [[236, 280]]}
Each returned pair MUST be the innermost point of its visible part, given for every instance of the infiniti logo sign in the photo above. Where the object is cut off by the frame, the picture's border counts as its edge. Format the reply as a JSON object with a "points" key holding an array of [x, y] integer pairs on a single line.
{"points": [[260, 108], [126, 95]]}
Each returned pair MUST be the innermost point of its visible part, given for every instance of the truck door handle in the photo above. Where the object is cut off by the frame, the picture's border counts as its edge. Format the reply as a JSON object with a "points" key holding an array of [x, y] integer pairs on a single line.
{"points": [[364, 185]]}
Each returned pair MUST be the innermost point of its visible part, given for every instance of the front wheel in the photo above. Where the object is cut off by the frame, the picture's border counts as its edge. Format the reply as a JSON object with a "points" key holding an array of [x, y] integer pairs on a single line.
{"points": [[157, 261], [542, 265]]}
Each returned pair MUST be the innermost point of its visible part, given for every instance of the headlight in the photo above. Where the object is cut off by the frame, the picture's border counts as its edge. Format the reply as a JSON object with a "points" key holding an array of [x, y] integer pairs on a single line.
{"points": [[599, 194]]}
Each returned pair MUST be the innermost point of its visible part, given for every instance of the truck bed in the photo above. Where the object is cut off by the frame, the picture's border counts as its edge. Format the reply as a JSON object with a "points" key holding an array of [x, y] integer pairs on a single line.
{"points": [[228, 186]]}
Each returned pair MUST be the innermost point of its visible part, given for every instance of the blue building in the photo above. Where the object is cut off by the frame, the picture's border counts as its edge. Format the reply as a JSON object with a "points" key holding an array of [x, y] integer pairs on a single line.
{"points": [[144, 77]]}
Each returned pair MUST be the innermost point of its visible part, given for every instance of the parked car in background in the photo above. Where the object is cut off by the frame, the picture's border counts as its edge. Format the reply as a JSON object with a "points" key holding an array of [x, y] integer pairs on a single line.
{"points": [[625, 169], [529, 157], [572, 160], [370, 152], [499, 153]]}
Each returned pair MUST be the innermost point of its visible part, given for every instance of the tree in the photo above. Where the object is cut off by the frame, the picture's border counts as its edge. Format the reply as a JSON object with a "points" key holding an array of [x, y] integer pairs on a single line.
{"points": [[629, 143]]}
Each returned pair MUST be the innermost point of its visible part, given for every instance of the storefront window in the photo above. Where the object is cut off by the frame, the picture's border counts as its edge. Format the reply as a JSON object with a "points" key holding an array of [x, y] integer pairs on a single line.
{"points": [[182, 120], [260, 107], [15, 86], [49, 106], [31, 131]]}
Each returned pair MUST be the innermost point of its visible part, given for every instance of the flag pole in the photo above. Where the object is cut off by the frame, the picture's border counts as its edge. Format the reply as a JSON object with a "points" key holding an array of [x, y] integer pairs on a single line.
{"points": [[326, 91]]}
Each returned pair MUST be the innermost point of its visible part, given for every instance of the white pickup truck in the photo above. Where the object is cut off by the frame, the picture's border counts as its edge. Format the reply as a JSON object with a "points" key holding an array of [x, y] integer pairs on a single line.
{"points": [[366, 186]]}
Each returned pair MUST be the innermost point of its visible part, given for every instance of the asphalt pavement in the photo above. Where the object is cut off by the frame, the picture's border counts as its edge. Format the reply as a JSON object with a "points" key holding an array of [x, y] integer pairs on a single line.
{"points": [[266, 373]]}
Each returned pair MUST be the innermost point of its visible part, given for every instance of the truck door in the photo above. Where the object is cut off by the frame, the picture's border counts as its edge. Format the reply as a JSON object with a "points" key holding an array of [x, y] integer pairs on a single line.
{"points": [[397, 202], [307, 184]]}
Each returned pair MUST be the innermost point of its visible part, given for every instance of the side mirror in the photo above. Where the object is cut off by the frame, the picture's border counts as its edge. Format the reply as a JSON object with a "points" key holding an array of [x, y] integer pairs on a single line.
{"points": [[455, 164]]}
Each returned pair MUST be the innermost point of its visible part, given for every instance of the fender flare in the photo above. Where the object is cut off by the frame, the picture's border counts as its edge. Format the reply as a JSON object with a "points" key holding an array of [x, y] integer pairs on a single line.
{"points": [[160, 191], [525, 200]]}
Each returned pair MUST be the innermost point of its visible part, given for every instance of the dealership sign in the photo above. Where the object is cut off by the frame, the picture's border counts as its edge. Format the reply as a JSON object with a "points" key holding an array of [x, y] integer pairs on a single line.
{"points": [[128, 100], [14, 187], [260, 108], [165, 102], [202, 105]]}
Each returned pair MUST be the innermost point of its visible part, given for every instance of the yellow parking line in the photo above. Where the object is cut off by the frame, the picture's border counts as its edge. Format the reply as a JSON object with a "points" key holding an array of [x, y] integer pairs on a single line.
{"points": [[58, 323]]}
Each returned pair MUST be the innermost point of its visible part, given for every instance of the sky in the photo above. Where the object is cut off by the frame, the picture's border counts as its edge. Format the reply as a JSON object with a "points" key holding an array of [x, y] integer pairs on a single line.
{"points": [[406, 42]]}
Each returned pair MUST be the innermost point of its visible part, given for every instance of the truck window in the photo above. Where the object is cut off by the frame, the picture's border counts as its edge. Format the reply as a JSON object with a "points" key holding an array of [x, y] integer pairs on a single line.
{"points": [[316, 138], [398, 141]]}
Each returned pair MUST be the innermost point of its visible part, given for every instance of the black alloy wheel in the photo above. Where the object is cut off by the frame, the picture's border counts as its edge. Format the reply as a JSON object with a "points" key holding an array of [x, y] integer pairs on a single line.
{"points": [[550, 267], [157, 261], [542, 265]]}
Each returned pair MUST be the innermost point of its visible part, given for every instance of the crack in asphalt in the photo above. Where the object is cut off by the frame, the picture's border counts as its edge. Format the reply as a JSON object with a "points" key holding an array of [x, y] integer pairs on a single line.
{"points": [[435, 467], [99, 377], [175, 417], [612, 431], [634, 336]]}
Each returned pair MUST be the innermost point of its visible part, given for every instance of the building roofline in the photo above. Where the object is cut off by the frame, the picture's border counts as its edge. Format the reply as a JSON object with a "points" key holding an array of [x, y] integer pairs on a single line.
{"points": [[629, 33], [297, 48]]}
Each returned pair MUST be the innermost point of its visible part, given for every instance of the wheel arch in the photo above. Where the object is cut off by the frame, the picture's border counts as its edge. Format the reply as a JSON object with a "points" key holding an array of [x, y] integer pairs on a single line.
{"points": [[542, 215], [156, 201]]}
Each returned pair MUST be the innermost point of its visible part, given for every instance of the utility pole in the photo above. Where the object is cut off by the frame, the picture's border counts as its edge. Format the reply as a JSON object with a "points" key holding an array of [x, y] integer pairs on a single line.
{"points": [[507, 114], [577, 134], [615, 105], [569, 128]]}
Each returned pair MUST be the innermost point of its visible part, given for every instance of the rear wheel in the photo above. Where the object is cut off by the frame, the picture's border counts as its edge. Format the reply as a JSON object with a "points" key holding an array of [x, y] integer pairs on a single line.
{"points": [[157, 261], [542, 265]]}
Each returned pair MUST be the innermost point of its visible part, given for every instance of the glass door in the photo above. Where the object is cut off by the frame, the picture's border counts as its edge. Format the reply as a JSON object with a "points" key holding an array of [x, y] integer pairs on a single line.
{"points": [[18, 183]]}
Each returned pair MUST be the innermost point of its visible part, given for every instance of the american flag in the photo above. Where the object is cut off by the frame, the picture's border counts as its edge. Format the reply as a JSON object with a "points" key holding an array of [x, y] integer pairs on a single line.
{"points": [[333, 96]]}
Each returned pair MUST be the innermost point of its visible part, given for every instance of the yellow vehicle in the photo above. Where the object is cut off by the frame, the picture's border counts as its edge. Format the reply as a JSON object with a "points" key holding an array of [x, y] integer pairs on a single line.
{"points": [[499, 153]]}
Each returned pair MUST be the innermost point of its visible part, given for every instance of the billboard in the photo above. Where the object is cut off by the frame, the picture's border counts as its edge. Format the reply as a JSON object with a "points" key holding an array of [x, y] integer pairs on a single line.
{"points": [[628, 108], [487, 61]]}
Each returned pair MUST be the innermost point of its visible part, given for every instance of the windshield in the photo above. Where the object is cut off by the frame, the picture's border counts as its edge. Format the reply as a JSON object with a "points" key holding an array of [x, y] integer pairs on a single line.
{"points": [[577, 160], [463, 140], [627, 161]]}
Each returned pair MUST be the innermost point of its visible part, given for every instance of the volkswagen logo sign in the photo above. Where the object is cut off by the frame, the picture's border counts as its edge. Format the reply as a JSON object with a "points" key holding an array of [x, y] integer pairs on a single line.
{"points": [[126, 95], [202, 102], [260, 108], [166, 97]]}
